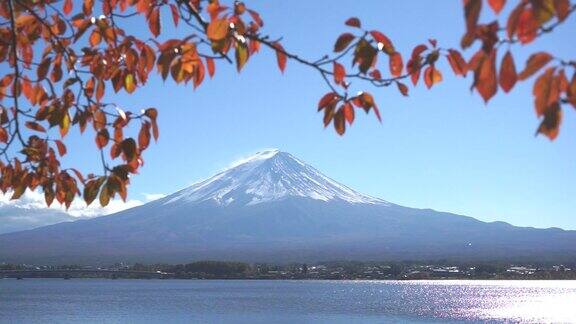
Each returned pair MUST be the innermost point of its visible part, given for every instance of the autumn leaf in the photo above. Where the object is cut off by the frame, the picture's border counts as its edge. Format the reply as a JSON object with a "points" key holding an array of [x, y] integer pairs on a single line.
{"points": [[343, 41], [129, 83], [472, 13], [241, 56], [154, 21], [396, 65], [550, 125], [3, 135], [353, 22], [485, 79], [534, 63], [61, 147], [496, 5], [348, 112], [507, 76], [432, 76], [328, 99], [211, 67], [217, 29], [67, 9], [102, 138], [35, 126], [457, 62], [562, 9], [280, 57], [527, 27], [402, 88], [339, 73], [386, 46], [340, 122]]}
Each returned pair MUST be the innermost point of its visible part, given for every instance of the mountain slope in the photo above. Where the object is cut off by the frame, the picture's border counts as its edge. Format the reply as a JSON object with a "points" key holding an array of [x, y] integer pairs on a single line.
{"points": [[273, 207]]}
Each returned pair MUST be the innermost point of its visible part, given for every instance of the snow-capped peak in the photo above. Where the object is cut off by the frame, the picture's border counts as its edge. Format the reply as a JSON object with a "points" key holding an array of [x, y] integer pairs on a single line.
{"points": [[267, 176]]}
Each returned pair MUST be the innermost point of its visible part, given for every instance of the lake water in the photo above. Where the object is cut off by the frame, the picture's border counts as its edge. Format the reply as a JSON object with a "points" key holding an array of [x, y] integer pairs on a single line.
{"points": [[238, 301]]}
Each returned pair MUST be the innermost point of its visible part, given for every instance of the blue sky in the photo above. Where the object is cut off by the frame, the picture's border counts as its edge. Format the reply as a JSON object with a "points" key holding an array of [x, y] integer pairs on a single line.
{"points": [[442, 149]]}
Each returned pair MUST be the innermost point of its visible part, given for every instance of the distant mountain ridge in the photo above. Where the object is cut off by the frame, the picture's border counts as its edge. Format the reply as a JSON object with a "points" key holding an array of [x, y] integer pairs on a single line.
{"points": [[273, 207]]}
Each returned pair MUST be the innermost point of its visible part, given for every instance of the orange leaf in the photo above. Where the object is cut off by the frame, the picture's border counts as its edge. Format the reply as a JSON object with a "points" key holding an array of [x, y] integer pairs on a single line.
{"points": [[343, 41], [534, 63], [217, 29], [280, 57], [432, 76], [507, 75], [61, 147], [353, 22], [496, 5], [327, 100], [95, 38], [396, 64], [339, 73], [210, 65], [35, 126]]}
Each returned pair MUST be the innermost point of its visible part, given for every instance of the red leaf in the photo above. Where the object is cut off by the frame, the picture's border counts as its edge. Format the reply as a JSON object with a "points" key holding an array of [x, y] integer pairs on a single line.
{"points": [[387, 46], [327, 99], [256, 17], [402, 88], [396, 64], [35, 126], [210, 65], [497, 5], [457, 62], [562, 8], [61, 147], [102, 138], [67, 7], [353, 22], [339, 73], [280, 57], [472, 13], [507, 76], [343, 41], [340, 122], [3, 135], [175, 14], [534, 63], [527, 26], [550, 126], [154, 21], [348, 112], [485, 79]]}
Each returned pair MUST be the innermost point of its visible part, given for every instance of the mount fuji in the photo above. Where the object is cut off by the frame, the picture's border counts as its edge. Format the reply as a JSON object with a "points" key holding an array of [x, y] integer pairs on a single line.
{"points": [[273, 207]]}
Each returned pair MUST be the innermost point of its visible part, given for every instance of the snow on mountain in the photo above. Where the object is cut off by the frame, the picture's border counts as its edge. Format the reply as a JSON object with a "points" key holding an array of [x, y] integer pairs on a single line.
{"points": [[268, 176]]}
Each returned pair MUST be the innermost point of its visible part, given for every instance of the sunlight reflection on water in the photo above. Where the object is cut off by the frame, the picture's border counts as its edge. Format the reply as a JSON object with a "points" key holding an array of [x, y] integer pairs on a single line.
{"points": [[279, 301]]}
